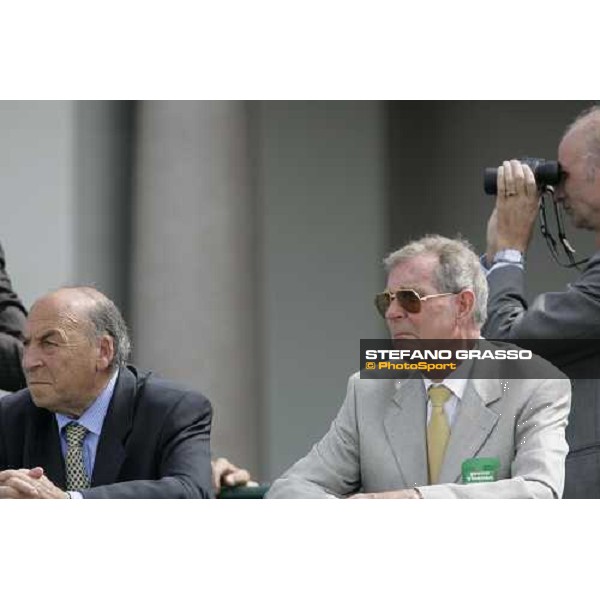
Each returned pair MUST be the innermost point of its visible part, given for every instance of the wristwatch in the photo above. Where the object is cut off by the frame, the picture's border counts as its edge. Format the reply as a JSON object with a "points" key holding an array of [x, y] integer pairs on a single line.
{"points": [[509, 255]]}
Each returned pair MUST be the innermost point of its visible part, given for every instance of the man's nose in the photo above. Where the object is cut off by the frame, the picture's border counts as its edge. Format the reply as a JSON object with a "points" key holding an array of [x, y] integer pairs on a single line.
{"points": [[30, 359], [395, 310]]}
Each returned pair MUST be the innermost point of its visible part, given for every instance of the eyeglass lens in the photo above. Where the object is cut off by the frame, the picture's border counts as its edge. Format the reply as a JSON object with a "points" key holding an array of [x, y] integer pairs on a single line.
{"points": [[408, 300]]}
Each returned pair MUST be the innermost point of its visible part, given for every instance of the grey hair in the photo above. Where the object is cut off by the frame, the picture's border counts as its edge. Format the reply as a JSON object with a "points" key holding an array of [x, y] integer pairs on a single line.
{"points": [[588, 122], [459, 268], [106, 319]]}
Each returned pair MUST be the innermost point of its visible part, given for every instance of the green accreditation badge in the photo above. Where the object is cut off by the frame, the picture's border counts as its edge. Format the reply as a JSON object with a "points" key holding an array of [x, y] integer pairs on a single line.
{"points": [[480, 470]]}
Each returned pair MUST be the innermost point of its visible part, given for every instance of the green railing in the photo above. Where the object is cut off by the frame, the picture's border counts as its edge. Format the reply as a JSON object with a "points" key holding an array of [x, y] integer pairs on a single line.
{"points": [[244, 492]]}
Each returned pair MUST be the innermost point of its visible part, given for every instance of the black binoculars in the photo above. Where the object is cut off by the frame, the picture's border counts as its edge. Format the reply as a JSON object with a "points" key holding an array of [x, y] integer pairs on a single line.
{"points": [[547, 172]]}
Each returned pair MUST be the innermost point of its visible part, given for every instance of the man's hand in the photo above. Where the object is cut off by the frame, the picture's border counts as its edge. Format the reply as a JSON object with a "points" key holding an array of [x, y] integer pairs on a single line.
{"points": [[226, 473], [28, 484], [511, 224], [411, 494]]}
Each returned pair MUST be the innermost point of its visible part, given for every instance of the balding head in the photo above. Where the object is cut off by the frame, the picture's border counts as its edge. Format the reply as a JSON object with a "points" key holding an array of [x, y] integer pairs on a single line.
{"points": [[579, 158], [587, 127], [92, 308], [75, 338]]}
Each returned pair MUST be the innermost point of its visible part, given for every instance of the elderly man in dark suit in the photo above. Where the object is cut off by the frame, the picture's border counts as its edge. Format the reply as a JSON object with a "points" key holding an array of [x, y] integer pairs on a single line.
{"points": [[12, 325], [12, 322], [89, 426], [571, 316]]}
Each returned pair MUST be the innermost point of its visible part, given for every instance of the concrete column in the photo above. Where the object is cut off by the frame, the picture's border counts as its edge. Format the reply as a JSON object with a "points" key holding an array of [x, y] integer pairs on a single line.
{"points": [[194, 270]]}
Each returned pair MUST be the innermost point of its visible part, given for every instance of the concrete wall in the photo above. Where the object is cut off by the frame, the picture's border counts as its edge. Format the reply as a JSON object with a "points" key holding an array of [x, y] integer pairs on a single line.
{"points": [[64, 169], [37, 200], [437, 152], [320, 184]]}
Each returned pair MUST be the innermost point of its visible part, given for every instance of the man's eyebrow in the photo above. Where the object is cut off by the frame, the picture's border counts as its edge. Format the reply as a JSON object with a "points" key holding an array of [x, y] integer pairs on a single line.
{"points": [[42, 337], [415, 287], [49, 333]]}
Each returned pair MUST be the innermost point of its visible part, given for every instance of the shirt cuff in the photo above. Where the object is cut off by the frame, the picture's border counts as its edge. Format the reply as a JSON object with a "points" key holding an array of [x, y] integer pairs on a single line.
{"points": [[75, 495], [498, 265]]}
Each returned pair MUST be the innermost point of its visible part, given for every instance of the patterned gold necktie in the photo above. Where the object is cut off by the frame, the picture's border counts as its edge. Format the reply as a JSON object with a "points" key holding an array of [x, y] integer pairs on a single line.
{"points": [[438, 431], [77, 477]]}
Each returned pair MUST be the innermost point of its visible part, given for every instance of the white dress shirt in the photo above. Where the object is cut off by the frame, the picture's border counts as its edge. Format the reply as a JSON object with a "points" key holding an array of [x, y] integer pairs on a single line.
{"points": [[457, 387]]}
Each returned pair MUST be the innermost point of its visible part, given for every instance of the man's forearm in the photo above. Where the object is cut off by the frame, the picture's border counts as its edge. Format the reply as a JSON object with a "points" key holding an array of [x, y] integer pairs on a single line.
{"points": [[517, 487], [165, 488]]}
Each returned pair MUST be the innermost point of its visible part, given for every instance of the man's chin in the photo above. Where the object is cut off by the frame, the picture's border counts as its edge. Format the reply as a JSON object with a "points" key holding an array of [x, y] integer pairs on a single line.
{"points": [[41, 395], [578, 221], [582, 224]]}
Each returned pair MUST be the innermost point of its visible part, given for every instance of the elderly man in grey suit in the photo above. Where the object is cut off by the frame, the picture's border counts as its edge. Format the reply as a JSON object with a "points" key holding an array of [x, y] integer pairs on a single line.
{"points": [[571, 316], [409, 438]]}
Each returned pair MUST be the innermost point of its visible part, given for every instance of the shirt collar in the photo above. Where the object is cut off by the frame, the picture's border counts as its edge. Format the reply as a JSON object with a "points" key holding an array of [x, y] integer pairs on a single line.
{"points": [[455, 385], [456, 382], [93, 417]]}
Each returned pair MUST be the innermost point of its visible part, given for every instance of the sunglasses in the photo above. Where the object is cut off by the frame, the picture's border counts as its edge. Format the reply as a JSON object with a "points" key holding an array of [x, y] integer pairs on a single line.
{"points": [[409, 300]]}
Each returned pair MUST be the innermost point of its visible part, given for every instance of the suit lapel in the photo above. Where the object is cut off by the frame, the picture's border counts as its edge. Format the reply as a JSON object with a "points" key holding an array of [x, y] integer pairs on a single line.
{"points": [[45, 446], [472, 426], [404, 425], [115, 429]]}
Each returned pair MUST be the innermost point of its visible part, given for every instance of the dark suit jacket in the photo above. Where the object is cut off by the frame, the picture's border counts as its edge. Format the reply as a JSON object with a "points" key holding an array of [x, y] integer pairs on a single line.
{"points": [[154, 441], [564, 327], [12, 323]]}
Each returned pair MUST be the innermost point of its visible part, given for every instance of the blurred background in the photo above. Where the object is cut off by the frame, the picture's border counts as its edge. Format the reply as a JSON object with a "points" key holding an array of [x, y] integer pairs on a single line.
{"points": [[243, 240]]}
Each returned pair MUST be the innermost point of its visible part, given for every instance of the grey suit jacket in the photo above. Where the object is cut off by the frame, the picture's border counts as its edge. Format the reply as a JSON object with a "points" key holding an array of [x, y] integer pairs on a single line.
{"points": [[573, 317], [377, 442]]}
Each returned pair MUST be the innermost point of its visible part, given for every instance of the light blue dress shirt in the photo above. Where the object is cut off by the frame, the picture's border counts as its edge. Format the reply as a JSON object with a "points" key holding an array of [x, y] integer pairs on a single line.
{"points": [[92, 419]]}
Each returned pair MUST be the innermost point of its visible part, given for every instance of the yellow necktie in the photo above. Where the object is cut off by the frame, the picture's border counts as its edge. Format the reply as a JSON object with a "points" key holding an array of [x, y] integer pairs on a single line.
{"points": [[438, 430]]}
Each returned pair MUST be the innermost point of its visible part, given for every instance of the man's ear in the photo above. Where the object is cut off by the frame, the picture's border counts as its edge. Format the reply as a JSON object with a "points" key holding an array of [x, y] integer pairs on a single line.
{"points": [[465, 304], [106, 352]]}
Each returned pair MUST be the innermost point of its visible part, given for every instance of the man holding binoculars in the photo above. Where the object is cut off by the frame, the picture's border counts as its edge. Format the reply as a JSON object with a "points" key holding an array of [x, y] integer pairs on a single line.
{"points": [[573, 315]]}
